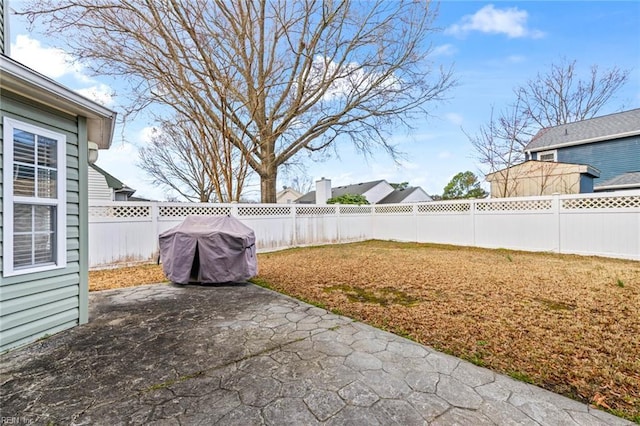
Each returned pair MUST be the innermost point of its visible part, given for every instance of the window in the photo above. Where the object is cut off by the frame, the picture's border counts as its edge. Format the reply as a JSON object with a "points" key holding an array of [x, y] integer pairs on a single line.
{"points": [[547, 155], [34, 198]]}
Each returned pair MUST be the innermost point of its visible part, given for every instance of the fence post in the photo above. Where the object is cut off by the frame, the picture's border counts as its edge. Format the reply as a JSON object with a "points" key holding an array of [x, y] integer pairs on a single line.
{"points": [[414, 208], [555, 207], [374, 223], [337, 207], [294, 225], [472, 211], [154, 211], [233, 211]]}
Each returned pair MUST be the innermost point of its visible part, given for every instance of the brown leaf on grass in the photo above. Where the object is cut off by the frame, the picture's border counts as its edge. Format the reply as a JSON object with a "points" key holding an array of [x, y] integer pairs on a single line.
{"points": [[598, 400], [106, 279]]}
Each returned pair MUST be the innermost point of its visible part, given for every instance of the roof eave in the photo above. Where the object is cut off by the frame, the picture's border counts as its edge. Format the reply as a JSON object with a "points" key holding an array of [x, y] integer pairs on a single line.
{"points": [[32, 85], [620, 186], [592, 171], [579, 168]]}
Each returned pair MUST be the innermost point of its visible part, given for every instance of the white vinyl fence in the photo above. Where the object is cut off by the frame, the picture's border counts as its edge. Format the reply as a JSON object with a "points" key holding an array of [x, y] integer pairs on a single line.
{"points": [[590, 224]]}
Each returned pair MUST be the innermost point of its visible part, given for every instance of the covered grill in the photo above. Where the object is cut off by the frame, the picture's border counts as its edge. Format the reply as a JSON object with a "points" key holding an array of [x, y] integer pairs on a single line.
{"points": [[208, 249]]}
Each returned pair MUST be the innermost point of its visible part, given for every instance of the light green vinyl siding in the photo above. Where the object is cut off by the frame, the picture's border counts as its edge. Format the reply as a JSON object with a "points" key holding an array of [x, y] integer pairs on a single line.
{"points": [[38, 304]]}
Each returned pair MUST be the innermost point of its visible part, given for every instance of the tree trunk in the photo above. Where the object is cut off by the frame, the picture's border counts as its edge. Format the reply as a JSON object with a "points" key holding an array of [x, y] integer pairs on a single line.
{"points": [[268, 186]]}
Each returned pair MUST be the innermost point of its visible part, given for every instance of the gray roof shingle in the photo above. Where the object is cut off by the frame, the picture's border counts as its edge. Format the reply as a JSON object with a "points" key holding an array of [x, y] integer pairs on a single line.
{"points": [[628, 180], [398, 195], [356, 189], [596, 129]]}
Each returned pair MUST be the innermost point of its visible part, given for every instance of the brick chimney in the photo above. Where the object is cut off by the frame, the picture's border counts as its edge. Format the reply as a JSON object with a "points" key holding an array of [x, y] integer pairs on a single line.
{"points": [[323, 190]]}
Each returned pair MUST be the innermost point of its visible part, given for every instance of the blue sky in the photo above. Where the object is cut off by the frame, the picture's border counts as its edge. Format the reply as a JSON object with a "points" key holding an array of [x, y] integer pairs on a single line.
{"points": [[494, 47]]}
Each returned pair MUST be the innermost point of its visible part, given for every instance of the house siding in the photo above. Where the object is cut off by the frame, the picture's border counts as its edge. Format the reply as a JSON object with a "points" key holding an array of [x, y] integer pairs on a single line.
{"points": [[612, 158], [38, 304], [417, 196], [98, 188], [378, 192], [586, 184]]}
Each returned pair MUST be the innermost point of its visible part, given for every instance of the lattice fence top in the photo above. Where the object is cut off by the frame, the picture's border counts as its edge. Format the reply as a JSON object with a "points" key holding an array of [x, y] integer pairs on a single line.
{"points": [[355, 209], [315, 210], [625, 202], [264, 211], [512, 206], [119, 211], [187, 210], [444, 208], [406, 208]]}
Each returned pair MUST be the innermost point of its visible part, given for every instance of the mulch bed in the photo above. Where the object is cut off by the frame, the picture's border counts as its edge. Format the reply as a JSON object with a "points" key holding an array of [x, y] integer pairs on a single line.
{"points": [[570, 324]]}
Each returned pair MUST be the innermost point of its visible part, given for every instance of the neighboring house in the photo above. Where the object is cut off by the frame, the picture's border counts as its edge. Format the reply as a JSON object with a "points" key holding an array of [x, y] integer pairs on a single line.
{"points": [[373, 191], [104, 186], [610, 143], [287, 196], [533, 178], [376, 192], [46, 129], [411, 194]]}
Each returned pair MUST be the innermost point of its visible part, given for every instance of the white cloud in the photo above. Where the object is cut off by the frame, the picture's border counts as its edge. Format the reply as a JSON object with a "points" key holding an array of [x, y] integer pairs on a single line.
{"points": [[120, 150], [444, 50], [516, 59], [511, 22], [50, 61], [443, 155], [56, 63], [454, 118], [146, 134], [409, 165], [350, 78], [100, 93]]}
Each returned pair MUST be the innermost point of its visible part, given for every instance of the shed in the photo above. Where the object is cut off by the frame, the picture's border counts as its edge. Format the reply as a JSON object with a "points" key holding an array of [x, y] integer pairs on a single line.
{"points": [[533, 178]]}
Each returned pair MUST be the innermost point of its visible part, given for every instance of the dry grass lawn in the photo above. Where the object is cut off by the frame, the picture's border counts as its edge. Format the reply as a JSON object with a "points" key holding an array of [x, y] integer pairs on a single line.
{"points": [[107, 279], [570, 324]]}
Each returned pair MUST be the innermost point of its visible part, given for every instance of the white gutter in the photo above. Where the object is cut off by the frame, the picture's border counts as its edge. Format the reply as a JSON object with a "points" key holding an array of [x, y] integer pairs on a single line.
{"points": [[620, 186]]}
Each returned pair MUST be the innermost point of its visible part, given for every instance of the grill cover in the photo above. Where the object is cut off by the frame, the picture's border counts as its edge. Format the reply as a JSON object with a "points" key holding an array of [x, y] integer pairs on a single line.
{"points": [[208, 249]]}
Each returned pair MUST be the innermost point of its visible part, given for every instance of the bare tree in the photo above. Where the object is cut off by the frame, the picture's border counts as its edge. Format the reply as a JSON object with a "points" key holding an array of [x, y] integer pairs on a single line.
{"points": [[195, 163], [499, 145], [560, 96], [551, 99], [285, 75], [301, 183]]}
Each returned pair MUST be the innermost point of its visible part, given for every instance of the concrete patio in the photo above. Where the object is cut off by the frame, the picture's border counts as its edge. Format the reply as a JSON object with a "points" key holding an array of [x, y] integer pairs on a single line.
{"points": [[241, 354]]}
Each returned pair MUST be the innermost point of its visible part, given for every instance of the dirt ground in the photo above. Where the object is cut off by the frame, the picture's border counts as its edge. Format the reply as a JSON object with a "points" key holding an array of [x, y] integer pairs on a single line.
{"points": [[570, 324]]}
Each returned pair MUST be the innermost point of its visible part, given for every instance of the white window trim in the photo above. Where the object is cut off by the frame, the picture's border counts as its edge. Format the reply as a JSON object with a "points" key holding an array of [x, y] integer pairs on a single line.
{"points": [[8, 200], [553, 151]]}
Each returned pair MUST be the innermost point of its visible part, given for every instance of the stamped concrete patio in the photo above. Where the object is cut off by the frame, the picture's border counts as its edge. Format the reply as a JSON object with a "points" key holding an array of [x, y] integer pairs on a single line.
{"points": [[241, 354]]}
